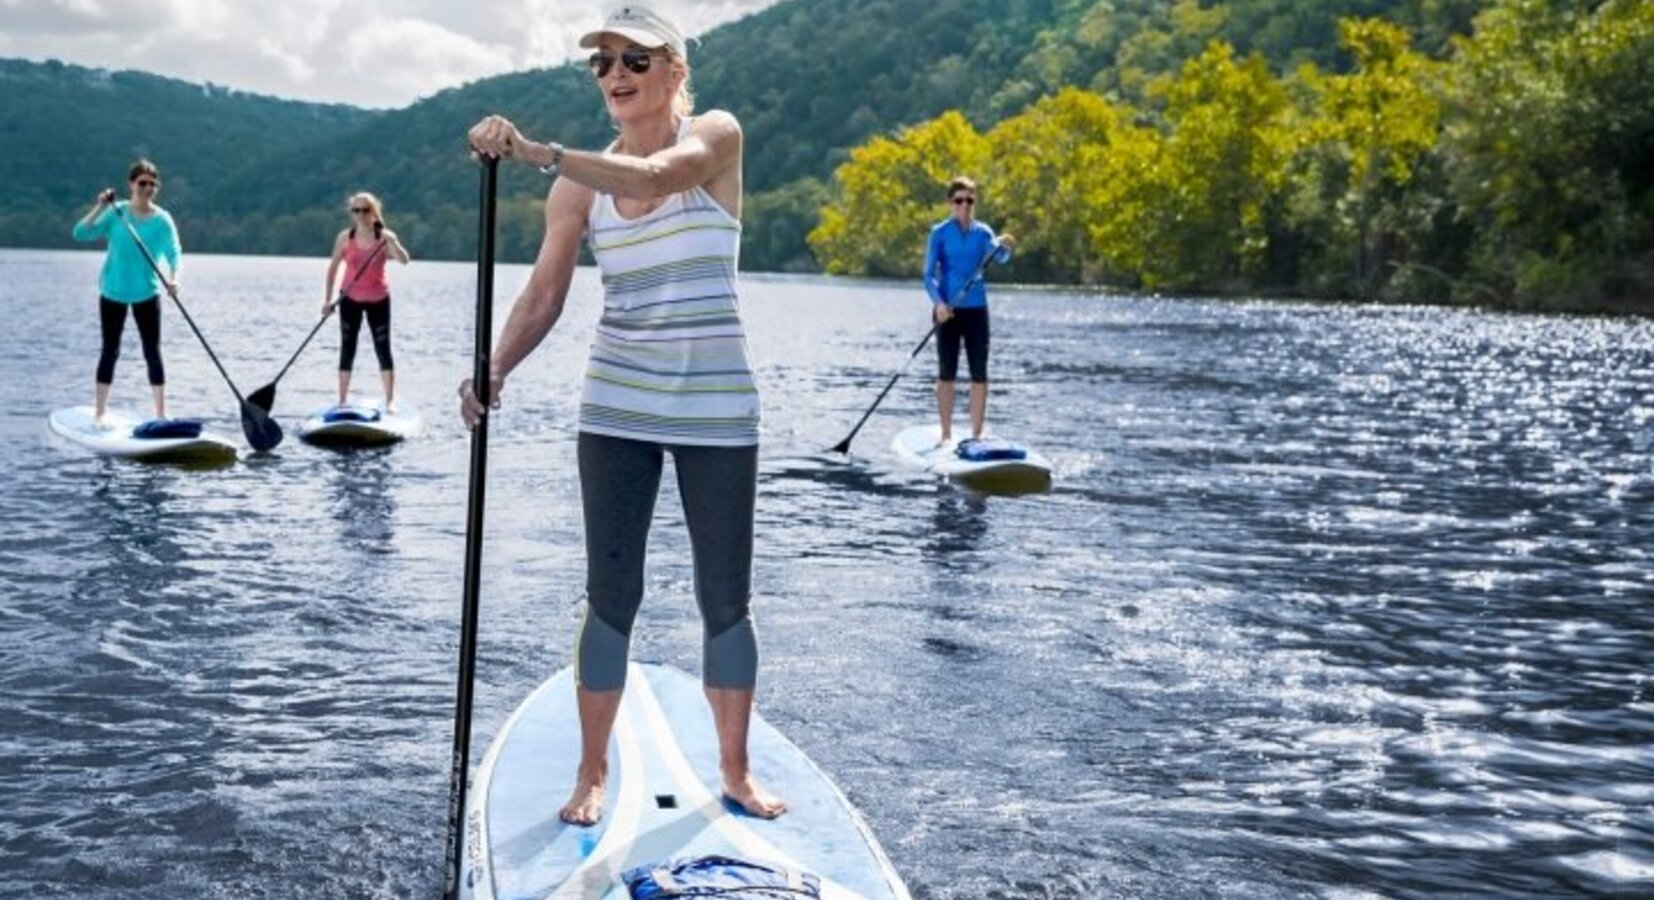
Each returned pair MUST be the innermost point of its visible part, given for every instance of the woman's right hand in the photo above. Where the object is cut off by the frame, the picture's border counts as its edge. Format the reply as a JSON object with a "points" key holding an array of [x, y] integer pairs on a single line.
{"points": [[105, 197], [496, 136], [941, 312], [472, 411]]}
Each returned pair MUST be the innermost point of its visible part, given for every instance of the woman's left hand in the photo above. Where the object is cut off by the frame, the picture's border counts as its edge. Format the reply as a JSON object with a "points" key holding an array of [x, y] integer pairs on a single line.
{"points": [[471, 410], [497, 136]]}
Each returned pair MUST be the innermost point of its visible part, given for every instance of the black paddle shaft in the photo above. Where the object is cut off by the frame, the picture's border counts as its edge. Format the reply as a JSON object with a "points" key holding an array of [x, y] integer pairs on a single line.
{"points": [[480, 382], [844, 445], [142, 248], [261, 430], [265, 397]]}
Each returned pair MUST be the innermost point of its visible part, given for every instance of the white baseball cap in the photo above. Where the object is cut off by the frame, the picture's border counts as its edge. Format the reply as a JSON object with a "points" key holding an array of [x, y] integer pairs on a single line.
{"points": [[643, 26]]}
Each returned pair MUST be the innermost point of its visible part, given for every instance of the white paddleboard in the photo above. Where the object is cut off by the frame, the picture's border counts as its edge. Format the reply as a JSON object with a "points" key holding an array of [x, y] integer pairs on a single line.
{"points": [[355, 425], [663, 801], [116, 438], [921, 446]]}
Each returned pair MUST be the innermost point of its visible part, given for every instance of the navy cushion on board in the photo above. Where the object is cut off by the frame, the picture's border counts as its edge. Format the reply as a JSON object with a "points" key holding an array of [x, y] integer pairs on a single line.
{"points": [[350, 414], [156, 429], [989, 449], [714, 876]]}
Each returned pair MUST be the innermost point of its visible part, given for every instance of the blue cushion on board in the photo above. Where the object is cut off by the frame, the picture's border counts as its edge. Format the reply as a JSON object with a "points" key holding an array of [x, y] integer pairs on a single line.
{"points": [[350, 414], [719, 876], [987, 449], [156, 429]]}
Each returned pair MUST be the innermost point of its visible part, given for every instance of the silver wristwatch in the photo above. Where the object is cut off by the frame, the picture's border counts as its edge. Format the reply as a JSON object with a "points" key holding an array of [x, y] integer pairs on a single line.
{"points": [[556, 159]]}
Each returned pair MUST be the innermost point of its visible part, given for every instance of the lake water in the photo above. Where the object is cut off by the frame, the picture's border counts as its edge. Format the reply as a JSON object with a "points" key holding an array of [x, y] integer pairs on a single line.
{"points": [[1326, 600]]}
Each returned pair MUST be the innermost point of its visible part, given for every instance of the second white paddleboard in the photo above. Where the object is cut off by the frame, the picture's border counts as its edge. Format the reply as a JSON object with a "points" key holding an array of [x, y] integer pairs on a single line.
{"points": [[921, 446], [360, 426]]}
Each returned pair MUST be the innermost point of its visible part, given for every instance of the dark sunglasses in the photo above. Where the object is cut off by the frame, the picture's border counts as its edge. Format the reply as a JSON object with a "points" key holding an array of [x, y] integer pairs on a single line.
{"points": [[968, 201], [147, 182], [635, 58], [361, 210]]}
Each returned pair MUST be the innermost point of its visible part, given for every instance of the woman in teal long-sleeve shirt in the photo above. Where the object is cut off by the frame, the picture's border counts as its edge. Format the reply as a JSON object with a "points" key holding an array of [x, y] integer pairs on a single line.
{"points": [[128, 281]]}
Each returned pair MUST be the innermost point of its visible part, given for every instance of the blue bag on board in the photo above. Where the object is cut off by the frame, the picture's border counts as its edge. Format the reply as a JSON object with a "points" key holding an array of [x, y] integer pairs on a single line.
{"points": [[350, 414], [720, 876], [985, 449], [156, 429]]}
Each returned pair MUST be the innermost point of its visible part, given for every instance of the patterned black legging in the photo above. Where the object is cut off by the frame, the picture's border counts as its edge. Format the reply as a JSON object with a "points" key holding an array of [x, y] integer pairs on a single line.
{"points": [[112, 318], [379, 325]]}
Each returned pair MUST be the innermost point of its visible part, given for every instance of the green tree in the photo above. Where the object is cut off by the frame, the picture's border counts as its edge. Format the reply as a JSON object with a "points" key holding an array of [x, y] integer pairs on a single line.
{"points": [[774, 224], [1206, 199], [890, 193], [1549, 148], [1364, 139], [1057, 170]]}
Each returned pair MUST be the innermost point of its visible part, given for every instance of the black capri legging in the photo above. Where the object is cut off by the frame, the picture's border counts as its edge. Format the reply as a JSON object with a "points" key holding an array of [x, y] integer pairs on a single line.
{"points": [[619, 479], [112, 318], [350, 325], [971, 326]]}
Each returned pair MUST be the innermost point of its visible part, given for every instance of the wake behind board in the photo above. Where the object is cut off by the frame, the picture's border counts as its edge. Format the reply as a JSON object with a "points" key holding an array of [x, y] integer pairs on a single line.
{"points": [[663, 801], [351, 425], [120, 437], [920, 446]]}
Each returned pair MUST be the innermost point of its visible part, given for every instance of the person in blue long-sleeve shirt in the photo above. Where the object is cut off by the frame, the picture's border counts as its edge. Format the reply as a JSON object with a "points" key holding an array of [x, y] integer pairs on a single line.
{"points": [[960, 249], [127, 280]]}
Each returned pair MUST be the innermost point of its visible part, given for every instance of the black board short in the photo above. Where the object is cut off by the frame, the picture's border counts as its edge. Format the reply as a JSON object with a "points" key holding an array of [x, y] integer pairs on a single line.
{"points": [[971, 327]]}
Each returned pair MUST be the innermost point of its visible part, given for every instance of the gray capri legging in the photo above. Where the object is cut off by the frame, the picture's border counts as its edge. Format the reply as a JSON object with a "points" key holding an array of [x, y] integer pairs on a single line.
{"points": [[619, 480]]}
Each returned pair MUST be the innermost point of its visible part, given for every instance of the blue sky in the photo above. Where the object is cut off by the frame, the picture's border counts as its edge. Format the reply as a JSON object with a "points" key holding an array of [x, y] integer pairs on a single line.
{"points": [[368, 53]]}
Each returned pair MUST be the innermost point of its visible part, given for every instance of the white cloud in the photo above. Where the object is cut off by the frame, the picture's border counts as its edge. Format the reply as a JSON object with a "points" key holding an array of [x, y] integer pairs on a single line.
{"points": [[370, 54], [419, 57]]}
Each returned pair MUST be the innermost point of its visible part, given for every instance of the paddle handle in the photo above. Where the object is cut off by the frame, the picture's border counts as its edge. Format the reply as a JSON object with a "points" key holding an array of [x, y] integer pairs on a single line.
{"points": [[473, 536]]}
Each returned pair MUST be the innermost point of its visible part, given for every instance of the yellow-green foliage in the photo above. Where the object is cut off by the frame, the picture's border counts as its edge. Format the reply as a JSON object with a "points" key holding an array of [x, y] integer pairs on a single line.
{"points": [[892, 191], [1056, 173], [1516, 168], [1222, 161], [1364, 136]]}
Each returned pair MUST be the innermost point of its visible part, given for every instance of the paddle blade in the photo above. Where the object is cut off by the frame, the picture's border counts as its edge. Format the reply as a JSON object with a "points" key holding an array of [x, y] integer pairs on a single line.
{"points": [[264, 398], [262, 431], [842, 447]]}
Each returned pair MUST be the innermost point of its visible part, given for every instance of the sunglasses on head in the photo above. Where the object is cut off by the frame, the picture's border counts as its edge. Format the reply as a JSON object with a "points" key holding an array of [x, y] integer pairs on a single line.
{"points": [[636, 59], [147, 182], [967, 201]]}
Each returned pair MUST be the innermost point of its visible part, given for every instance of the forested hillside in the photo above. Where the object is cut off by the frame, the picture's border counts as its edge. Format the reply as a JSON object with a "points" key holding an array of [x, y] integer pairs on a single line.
{"points": [[809, 79], [1293, 148], [66, 131]]}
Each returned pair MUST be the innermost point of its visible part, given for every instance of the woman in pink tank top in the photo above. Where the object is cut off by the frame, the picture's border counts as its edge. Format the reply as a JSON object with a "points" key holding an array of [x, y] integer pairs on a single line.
{"points": [[363, 248]]}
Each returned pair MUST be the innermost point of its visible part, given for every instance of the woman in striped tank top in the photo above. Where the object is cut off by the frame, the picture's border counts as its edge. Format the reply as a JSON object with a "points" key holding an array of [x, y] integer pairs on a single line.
{"points": [[668, 373]]}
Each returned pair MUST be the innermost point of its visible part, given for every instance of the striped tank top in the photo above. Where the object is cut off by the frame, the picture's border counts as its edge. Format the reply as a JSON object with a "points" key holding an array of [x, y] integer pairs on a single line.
{"points": [[669, 360]]}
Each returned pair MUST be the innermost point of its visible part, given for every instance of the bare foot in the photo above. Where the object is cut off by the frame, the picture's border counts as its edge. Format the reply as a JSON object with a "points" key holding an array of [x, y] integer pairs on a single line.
{"points": [[101, 422], [585, 804], [747, 794]]}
